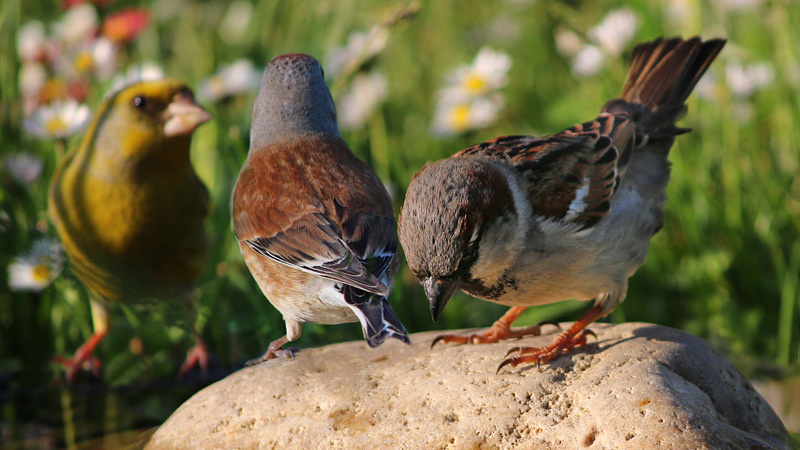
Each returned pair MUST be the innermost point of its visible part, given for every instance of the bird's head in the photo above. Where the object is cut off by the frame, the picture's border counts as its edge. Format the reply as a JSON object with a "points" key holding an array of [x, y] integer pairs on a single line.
{"points": [[450, 207], [148, 120], [293, 99]]}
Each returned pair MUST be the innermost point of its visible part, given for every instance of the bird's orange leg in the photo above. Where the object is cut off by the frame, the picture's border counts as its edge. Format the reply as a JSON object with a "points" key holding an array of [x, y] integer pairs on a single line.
{"points": [[573, 338], [500, 330], [197, 356], [82, 358], [273, 351]]}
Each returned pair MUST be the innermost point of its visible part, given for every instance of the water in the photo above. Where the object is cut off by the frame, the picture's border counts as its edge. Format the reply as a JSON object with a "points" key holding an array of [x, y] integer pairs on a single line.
{"points": [[90, 415]]}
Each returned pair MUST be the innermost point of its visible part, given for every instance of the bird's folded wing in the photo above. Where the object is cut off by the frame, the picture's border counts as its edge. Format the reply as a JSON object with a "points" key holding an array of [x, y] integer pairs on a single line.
{"points": [[571, 175], [372, 237], [311, 243]]}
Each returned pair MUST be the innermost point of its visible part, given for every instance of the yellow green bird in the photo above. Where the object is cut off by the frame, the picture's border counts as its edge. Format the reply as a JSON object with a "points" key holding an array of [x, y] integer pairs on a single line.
{"points": [[129, 207]]}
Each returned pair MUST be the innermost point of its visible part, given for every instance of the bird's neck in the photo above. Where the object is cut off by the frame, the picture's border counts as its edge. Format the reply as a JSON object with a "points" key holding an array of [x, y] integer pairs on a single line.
{"points": [[272, 123]]}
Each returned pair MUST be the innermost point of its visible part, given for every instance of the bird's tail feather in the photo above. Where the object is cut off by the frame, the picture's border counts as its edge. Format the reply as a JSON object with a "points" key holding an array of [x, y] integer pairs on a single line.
{"points": [[379, 322], [662, 74]]}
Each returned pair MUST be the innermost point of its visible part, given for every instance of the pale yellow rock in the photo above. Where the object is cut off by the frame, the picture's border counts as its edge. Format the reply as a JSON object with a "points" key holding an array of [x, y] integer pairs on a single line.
{"points": [[639, 386]]}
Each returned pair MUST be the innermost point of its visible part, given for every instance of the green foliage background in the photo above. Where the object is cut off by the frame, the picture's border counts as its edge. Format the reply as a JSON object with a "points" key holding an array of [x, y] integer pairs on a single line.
{"points": [[725, 266]]}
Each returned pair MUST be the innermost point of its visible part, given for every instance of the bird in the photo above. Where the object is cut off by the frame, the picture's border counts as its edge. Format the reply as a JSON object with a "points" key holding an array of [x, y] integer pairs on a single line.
{"points": [[129, 208], [314, 223], [523, 220]]}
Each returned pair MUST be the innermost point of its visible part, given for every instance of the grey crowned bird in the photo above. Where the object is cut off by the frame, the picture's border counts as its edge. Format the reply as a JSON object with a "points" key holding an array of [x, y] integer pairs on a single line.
{"points": [[315, 224]]}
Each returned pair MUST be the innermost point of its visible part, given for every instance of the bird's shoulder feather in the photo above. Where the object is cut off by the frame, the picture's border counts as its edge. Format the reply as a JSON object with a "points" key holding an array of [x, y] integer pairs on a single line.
{"points": [[571, 175]]}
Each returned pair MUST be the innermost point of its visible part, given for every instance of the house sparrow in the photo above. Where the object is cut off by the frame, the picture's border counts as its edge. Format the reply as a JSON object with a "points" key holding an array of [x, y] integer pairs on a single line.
{"points": [[129, 208], [523, 221], [314, 223]]}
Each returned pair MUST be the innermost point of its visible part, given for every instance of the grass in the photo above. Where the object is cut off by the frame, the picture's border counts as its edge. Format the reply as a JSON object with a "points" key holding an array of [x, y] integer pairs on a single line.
{"points": [[725, 267]]}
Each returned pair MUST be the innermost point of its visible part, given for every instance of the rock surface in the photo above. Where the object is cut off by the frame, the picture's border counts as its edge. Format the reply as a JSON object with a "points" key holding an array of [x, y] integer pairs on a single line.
{"points": [[639, 386]]}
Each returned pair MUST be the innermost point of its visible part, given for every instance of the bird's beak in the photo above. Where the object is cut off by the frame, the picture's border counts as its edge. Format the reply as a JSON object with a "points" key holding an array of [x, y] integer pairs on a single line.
{"points": [[183, 116], [439, 292]]}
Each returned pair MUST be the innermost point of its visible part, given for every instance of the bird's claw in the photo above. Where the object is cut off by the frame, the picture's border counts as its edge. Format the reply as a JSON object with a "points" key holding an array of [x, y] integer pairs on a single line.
{"points": [[543, 355], [283, 353]]}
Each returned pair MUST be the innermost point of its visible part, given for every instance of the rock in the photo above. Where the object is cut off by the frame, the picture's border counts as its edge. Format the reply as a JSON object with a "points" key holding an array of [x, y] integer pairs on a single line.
{"points": [[639, 386]]}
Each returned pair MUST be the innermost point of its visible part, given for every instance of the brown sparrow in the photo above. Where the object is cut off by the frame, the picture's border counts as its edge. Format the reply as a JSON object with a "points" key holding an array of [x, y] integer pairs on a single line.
{"points": [[314, 223], [522, 221]]}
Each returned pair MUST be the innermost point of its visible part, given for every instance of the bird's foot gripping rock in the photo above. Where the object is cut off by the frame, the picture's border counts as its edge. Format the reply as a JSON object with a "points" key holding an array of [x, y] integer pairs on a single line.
{"points": [[274, 351], [499, 331], [563, 343]]}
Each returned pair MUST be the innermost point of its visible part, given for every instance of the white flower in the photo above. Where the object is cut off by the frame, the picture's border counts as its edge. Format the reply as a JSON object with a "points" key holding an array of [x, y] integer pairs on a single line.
{"points": [[134, 74], [58, 120], [364, 94], [104, 58], [487, 73], [31, 41], [78, 25], [615, 31], [738, 5], [588, 61], [233, 26], [236, 78], [458, 117], [360, 48], [680, 12], [38, 268], [568, 43], [32, 77], [25, 168], [743, 80], [97, 56]]}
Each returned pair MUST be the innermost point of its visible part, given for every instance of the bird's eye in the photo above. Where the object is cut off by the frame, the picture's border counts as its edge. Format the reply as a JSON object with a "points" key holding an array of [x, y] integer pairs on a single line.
{"points": [[139, 102]]}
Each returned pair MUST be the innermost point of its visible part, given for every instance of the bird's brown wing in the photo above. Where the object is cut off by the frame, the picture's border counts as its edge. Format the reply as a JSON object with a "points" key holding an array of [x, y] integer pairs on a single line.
{"points": [[285, 208], [571, 175]]}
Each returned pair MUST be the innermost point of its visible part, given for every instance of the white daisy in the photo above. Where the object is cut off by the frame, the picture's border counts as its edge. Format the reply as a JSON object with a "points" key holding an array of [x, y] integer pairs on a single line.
{"points": [[681, 12], [588, 61], [35, 270], [31, 41], [58, 120], [97, 56], [568, 43], [32, 77], [458, 117], [615, 31], [236, 78], [233, 26], [744, 80], [79, 24], [104, 58], [361, 46], [487, 73], [363, 95], [25, 168], [738, 5]]}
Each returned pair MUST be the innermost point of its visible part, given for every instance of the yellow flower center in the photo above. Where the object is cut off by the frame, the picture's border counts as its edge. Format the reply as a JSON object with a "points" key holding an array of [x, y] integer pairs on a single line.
{"points": [[41, 273], [56, 126], [83, 62], [459, 117], [475, 84]]}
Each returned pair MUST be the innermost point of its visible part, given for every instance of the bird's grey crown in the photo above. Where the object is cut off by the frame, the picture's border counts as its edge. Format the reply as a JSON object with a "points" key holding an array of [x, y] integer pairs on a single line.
{"points": [[436, 223], [293, 99]]}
